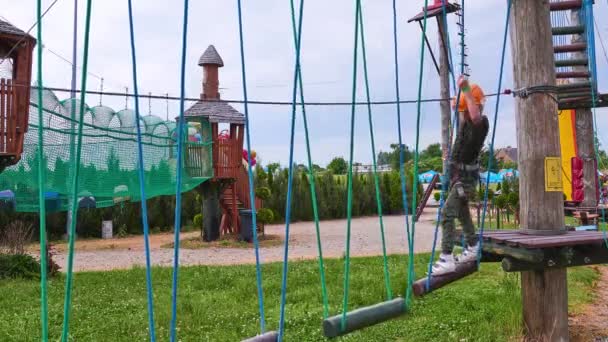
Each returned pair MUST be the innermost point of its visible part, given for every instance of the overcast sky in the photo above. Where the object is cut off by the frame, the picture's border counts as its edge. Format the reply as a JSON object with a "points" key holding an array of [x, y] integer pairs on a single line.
{"points": [[327, 54]]}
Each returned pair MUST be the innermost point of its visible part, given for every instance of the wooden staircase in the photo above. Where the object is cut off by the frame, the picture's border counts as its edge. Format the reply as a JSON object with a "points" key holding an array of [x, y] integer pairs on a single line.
{"points": [[234, 197], [573, 62], [427, 195]]}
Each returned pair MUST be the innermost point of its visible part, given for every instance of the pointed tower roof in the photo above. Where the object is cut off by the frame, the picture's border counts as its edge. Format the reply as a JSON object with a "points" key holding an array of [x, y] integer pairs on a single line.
{"points": [[211, 57]]}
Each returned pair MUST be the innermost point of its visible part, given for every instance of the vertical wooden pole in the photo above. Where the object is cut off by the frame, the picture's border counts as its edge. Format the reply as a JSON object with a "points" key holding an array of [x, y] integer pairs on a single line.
{"points": [[444, 83], [584, 125], [544, 293]]}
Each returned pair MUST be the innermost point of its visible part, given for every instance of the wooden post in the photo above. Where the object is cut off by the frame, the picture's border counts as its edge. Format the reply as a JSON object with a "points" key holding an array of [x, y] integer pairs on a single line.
{"points": [[444, 83], [209, 192], [544, 293], [584, 126]]}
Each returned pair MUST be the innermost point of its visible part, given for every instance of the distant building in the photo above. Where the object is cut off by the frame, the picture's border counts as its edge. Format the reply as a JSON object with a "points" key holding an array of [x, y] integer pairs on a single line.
{"points": [[506, 155], [360, 168]]}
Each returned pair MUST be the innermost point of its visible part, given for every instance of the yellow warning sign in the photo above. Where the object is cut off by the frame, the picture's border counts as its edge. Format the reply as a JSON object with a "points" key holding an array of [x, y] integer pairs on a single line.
{"points": [[553, 174]]}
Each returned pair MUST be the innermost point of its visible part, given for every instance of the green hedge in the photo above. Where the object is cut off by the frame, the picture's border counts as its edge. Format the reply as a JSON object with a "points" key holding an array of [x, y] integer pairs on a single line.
{"points": [[332, 194]]}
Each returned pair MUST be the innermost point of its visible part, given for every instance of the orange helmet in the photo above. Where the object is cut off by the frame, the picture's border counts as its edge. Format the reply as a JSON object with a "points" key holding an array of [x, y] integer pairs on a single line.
{"points": [[478, 95]]}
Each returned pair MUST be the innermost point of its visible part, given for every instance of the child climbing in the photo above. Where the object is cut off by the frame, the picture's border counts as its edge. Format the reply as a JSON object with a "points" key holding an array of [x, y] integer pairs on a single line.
{"points": [[464, 175]]}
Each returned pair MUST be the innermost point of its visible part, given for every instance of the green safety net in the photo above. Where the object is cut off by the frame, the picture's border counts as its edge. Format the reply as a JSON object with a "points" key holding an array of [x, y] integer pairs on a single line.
{"points": [[109, 157]]}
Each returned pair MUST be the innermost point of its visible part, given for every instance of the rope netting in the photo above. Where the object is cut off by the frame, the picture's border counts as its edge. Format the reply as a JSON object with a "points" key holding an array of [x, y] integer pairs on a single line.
{"points": [[109, 156]]}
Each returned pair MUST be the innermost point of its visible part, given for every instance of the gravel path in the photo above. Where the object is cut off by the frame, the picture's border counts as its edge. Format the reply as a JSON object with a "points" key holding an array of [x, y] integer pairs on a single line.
{"points": [[365, 241]]}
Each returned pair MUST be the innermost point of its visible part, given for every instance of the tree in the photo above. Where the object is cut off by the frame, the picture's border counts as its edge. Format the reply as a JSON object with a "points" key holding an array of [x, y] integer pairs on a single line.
{"points": [[338, 166], [432, 151], [483, 161], [427, 164]]}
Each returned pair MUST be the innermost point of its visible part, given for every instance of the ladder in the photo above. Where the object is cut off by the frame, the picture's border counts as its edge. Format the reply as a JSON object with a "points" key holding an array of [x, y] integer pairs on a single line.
{"points": [[574, 53]]}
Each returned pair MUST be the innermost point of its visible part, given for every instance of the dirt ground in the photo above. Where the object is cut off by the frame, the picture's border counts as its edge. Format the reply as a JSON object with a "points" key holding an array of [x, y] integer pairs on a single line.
{"points": [[591, 324], [365, 241]]}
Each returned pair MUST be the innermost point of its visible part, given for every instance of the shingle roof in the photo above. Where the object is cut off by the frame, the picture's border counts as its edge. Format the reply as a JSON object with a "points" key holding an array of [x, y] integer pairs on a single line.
{"points": [[8, 28], [211, 57], [216, 112]]}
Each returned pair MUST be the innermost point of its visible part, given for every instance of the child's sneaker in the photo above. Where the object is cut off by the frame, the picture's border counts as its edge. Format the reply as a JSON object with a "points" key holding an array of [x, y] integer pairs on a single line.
{"points": [[445, 264]]}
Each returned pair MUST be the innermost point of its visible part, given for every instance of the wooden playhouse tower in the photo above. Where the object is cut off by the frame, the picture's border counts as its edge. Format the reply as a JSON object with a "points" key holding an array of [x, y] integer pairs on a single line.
{"points": [[224, 126], [16, 49]]}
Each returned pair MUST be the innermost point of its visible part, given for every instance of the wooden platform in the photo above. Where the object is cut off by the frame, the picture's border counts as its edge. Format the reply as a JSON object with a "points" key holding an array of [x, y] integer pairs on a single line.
{"points": [[514, 238]]}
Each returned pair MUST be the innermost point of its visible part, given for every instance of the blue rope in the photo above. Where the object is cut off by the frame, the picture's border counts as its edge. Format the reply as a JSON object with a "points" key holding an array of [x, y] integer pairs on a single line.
{"points": [[142, 184], [446, 176], [290, 180], [250, 177], [491, 151], [410, 239], [178, 185], [349, 185]]}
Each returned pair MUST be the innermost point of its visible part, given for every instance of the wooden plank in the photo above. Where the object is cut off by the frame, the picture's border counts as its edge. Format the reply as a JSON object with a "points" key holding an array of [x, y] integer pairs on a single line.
{"points": [[563, 241], [530, 255], [577, 257]]}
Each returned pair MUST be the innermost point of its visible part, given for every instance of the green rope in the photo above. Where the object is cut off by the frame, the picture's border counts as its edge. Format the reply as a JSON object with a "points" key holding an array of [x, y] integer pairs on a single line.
{"points": [[349, 204], [70, 276], [44, 318], [311, 176], [410, 277], [387, 279]]}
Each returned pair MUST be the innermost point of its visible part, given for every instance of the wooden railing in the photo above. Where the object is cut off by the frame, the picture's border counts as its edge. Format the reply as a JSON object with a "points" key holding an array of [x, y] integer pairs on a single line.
{"points": [[227, 161], [198, 160], [13, 119]]}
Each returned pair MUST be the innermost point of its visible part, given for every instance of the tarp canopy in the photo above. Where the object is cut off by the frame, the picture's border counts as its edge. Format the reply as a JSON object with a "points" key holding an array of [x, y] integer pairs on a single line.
{"points": [[494, 177], [427, 177]]}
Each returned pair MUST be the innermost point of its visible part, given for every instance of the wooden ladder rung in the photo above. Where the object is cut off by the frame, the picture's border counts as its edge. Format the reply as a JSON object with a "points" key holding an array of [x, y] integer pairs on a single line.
{"points": [[566, 30], [575, 47], [579, 86], [572, 74], [572, 62], [565, 5]]}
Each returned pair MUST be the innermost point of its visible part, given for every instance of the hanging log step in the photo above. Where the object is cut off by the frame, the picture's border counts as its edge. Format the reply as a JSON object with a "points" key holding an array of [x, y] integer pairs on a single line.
{"points": [[572, 62], [425, 285], [566, 30], [271, 336], [575, 47], [565, 5], [573, 74]]}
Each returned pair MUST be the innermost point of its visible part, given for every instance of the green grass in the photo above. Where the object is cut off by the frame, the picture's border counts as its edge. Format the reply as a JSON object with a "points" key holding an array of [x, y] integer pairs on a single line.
{"points": [[220, 304]]}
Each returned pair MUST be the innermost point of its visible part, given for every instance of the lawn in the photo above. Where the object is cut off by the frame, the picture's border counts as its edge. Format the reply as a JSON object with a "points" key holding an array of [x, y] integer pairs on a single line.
{"points": [[219, 303]]}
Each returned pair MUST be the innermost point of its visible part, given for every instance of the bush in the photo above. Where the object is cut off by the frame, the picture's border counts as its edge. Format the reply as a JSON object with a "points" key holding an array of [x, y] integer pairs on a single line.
{"points": [[501, 201], [198, 220], [19, 266], [437, 196], [513, 199], [263, 193], [265, 216], [16, 237]]}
